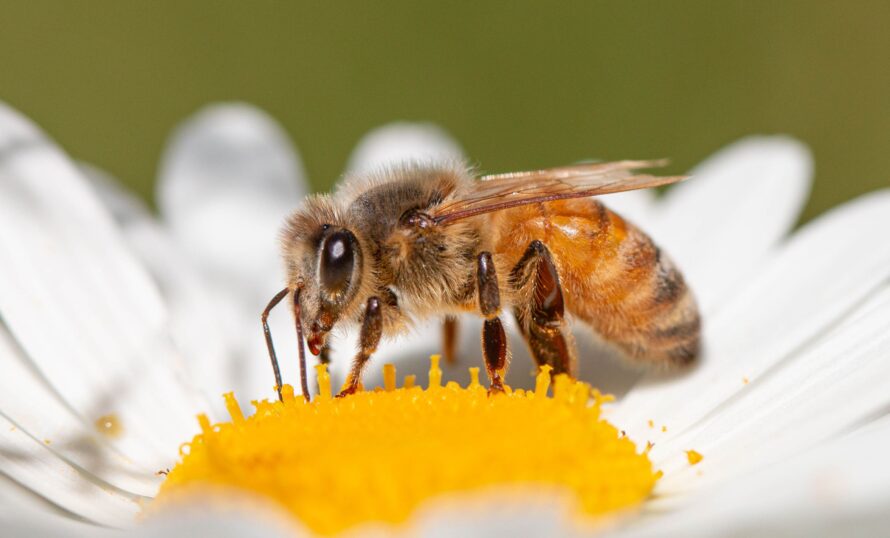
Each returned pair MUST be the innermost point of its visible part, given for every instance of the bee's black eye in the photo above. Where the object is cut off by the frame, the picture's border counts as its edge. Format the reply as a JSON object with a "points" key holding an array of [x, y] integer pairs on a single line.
{"points": [[337, 261]]}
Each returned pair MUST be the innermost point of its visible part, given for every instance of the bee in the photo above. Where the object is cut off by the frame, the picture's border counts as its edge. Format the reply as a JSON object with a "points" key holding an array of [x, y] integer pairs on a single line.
{"points": [[432, 240]]}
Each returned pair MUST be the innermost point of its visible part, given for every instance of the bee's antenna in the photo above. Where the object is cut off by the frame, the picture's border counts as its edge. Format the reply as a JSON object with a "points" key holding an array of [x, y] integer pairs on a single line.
{"points": [[274, 358], [298, 320]]}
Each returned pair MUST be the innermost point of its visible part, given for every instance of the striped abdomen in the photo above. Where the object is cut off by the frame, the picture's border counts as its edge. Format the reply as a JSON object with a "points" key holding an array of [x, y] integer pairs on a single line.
{"points": [[613, 277]]}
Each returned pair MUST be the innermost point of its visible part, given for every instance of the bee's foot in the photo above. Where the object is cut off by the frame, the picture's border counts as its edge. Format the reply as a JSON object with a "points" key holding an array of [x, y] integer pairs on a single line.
{"points": [[351, 389], [496, 388]]}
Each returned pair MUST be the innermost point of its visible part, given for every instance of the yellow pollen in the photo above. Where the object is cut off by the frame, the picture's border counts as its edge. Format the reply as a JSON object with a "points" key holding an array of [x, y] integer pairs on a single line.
{"points": [[376, 456], [693, 457], [109, 425]]}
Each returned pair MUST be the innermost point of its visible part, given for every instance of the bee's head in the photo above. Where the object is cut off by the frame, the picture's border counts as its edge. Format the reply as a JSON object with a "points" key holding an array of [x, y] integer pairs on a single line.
{"points": [[338, 275], [324, 257]]}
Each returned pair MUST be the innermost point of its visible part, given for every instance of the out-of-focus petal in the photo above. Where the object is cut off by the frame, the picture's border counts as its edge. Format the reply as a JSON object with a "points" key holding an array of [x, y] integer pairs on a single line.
{"points": [[820, 275], [497, 512], [80, 305], [239, 518], [721, 224], [228, 179], [400, 142]]}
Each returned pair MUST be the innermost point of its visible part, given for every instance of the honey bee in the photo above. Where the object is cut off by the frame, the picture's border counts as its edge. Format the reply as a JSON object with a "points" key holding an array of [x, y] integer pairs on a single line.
{"points": [[422, 240]]}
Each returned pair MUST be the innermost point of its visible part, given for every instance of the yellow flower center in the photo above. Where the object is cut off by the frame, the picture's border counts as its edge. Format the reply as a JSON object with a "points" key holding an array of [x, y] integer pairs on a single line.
{"points": [[376, 456]]}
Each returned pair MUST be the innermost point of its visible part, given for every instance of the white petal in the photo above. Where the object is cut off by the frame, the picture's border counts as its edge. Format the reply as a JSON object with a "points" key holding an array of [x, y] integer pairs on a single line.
{"points": [[28, 461], [232, 521], [400, 142], [206, 324], [720, 224], [79, 305], [826, 389], [39, 524], [28, 401], [835, 489], [228, 179], [822, 273]]}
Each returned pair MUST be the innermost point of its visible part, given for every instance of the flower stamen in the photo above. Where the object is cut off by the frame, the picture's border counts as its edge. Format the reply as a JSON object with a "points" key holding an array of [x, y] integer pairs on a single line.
{"points": [[378, 455]]}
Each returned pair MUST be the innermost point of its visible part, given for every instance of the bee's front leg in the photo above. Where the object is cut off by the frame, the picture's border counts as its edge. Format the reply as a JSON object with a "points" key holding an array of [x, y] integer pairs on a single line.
{"points": [[369, 337], [494, 340]]}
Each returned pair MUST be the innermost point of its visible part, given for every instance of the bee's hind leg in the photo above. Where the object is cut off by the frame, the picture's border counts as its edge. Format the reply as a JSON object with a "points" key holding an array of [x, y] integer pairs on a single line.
{"points": [[542, 319], [494, 340]]}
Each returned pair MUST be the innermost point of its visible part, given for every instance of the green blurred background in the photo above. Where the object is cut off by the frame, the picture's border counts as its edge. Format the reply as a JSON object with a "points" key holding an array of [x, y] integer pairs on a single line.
{"points": [[520, 84]]}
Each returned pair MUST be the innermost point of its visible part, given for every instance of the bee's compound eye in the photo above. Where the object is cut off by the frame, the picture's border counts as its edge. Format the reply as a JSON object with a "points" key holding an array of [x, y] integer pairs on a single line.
{"points": [[337, 261]]}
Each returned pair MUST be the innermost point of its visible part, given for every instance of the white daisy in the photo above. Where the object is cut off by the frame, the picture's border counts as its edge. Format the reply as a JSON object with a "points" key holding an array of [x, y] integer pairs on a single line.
{"points": [[111, 315]]}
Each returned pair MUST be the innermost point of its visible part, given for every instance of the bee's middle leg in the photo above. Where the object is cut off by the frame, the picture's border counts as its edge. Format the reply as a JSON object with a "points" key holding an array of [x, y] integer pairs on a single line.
{"points": [[369, 338], [494, 340], [542, 321]]}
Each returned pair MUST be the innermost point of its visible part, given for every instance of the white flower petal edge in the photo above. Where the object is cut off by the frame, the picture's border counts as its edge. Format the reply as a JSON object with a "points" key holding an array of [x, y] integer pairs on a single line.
{"points": [[228, 179], [79, 305], [722, 223], [821, 274]]}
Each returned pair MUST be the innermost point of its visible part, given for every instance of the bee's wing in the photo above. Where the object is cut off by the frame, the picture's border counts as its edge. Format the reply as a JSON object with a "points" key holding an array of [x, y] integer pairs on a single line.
{"points": [[502, 191]]}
